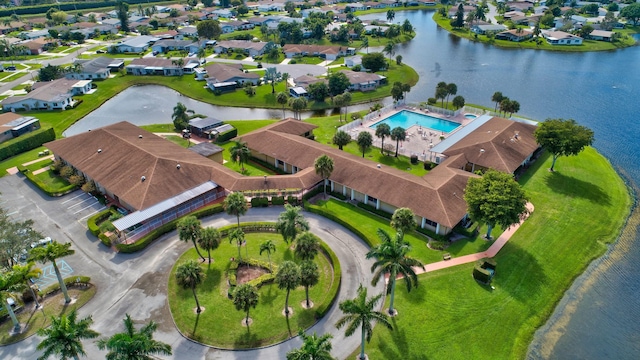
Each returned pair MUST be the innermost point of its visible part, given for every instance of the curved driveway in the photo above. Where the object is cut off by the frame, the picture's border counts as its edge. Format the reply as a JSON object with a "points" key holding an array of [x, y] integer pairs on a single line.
{"points": [[137, 283]]}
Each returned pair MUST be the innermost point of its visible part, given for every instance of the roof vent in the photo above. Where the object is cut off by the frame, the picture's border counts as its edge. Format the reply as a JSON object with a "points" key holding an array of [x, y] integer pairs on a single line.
{"points": [[482, 150], [516, 136], [178, 166], [378, 166], [143, 178], [99, 151], [140, 136]]}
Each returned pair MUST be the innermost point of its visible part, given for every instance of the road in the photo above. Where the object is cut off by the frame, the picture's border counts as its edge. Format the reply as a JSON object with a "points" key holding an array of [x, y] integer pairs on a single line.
{"points": [[137, 283]]}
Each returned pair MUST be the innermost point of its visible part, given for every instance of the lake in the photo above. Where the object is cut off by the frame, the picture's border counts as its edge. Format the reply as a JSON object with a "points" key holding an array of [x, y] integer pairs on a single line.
{"points": [[599, 317]]}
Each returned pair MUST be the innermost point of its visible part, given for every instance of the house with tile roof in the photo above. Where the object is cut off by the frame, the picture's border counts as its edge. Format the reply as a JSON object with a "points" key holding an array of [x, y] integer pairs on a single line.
{"points": [[50, 95], [327, 52]]}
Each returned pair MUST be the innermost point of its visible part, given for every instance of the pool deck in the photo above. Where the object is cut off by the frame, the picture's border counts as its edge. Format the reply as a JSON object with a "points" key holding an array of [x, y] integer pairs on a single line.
{"points": [[419, 139]]}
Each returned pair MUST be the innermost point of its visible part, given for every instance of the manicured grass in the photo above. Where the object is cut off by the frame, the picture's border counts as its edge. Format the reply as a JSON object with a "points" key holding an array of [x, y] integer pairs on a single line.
{"points": [[40, 164], [52, 181], [250, 169], [220, 323], [159, 128], [247, 126], [19, 160], [450, 316], [177, 139], [313, 60], [59, 49], [35, 320]]}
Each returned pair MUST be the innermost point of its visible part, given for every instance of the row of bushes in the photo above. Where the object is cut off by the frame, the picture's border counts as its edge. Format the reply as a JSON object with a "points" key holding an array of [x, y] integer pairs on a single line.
{"points": [[335, 282], [93, 221], [259, 202], [170, 226], [257, 282], [69, 281], [249, 227], [227, 135], [58, 191], [26, 142]]}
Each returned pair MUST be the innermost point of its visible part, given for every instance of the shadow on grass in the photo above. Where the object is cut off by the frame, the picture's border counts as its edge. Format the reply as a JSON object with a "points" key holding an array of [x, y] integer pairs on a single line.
{"points": [[213, 278], [417, 294], [288, 255], [399, 347], [518, 272], [572, 187], [246, 340], [195, 325], [267, 297]]}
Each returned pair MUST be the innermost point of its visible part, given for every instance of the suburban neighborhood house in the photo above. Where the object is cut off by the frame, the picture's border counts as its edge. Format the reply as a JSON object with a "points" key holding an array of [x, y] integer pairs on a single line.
{"points": [[561, 38], [221, 77], [245, 46], [136, 44], [157, 66], [13, 125], [158, 181], [98, 68], [363, 81], [327, 52], [56, 94]]}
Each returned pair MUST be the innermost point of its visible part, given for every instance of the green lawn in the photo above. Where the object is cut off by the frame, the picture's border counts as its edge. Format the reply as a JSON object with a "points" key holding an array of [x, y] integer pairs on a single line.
{"points": [[40, 164], [450, 316], [250, 169], [220, 323], [59, 49], [177, 139], [159, 128], [52, 181], [19, 160], [313, 60]]}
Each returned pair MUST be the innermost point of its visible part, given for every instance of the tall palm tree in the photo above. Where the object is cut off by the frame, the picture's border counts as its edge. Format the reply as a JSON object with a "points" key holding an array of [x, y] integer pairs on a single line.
{"points": [[383, 130], [364, 140], [403, 221], [313, 347], [237, 235], [52, 252], [180, 116], [240, 153], [134, 344], [288, 278], [268, 246], [365, 43], [7, 287], [390, 49], [245, 297], [285, 77], [202, 53], [189, 275], [235, 204], [63, 337], [306, 246], [23, 275], [209, 240], [309, 276], [283, 99], [189, 230], [359, 312], [290, 221], [398, 134], [324, 167], [391, 257], [497, 98]]}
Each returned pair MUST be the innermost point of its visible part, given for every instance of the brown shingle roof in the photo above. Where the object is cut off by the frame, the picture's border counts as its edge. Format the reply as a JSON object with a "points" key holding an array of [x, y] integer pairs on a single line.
{"points": [[320, 49], [228, 72], [8, 117]]}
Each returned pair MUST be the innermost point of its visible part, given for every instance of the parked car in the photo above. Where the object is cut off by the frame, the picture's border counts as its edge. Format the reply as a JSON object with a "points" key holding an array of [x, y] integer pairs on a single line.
{"points": [[100, 51], [42, 242], [11, 68]]}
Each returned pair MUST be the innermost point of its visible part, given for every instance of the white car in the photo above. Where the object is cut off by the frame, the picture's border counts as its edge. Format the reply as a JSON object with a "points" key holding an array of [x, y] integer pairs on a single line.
{"points": [[42, 242]]}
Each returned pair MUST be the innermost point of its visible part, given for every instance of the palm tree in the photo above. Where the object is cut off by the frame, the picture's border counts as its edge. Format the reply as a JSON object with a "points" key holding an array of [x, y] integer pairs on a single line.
{"points": [[391, 15], [403, 221], [383, 130], [189, 230], [398, 134], [282, 98], [202, 53], [133, 344], [341, 138], [346, 100], [235, 204], [365, 140], [288, 278], [52, 252], [272, 75], [63, 337], [314, 347], [391, 257], [290, 221], [237, 235], [360, 312], [365, 43], [245, 297], [390, 49], [209, 240], [306, 246], [180, 116], [497, 98], [452, 89], [309, 276], [189, 275], [285, 77], [23, 275], [240, 153], [268, 246], [324, 167], [7, 287]]}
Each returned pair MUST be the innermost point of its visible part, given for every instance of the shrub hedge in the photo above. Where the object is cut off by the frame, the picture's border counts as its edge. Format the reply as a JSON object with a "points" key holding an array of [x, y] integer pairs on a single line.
{"points": [[277, 200], [69, 281], [93, 221], [335, 283], [26, 142], [66, 6], [372, 209], [259, 202], [48, 190], [227, 135], [292, 200]]}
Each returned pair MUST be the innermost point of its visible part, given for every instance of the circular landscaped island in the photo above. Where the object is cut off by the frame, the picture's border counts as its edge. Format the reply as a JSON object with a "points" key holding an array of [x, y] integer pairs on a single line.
{"points": [[219, 324]]}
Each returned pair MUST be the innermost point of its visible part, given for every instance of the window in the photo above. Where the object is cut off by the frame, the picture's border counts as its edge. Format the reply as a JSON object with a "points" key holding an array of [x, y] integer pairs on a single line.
{"points": [[372, 199], [429, 222], [280, 162]]}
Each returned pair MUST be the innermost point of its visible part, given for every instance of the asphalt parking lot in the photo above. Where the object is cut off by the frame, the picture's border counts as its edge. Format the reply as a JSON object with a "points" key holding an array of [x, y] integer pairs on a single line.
{"points": [[81, 205]]}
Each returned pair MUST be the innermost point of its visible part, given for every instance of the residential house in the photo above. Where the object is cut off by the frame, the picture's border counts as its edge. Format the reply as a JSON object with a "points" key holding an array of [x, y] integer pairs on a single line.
{"points": [[519, 6], [561, 38], [229, 73], [327, 52], [601, 35], [12, 26], [391, 3], [136, 44], [154, 66], [111, 22], [187, 32], [202, 126], [488, 29], [163, 46], [249, 47], [13, 125], [356, 6], [515, 35], [298, 92], [223, 13], [465, 8], [51, 95], [98, 68], [209, 150], [37, 46], [363, 81], [510, 14], [353, 61], [306, 80], [30, 35], [231, 26], [265, 6]]}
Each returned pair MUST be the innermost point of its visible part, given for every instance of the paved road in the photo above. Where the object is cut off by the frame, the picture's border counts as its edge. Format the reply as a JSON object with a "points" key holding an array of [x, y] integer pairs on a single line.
{"points": [[136, 283]]}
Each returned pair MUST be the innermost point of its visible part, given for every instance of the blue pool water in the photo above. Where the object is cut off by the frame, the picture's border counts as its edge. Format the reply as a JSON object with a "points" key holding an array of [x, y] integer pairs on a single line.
{"points": [[470, 116], [406, 119]]}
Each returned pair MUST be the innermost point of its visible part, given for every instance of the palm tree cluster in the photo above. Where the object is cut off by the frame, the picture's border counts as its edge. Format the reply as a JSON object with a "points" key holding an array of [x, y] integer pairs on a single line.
{"points": [[506, 105], [190, 229], [444, 90]]}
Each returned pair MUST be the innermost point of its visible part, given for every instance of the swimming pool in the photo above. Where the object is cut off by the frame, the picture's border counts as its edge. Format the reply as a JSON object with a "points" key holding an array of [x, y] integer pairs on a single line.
{"points": [[406, 119], [470, 116]]}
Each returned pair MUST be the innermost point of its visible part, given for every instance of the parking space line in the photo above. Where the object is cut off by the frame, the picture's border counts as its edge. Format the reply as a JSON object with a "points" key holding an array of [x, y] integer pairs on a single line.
{"points": [[93, 213], [79, 203], [84, 208], [73, 198]]}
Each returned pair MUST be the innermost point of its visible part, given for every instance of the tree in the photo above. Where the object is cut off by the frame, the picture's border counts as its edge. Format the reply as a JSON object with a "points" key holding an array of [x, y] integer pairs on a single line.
{"points": [[391, 257], [480, 14], [586, 29], [390, 49], [209, 240], [179, 63], [237, 235], [505, 105], [284, 77], [242, 10], [306, 246], [290, 221], [16, 236], [282, 98], [495, 199], [313, 347], [359, 312], [338, 101], [201, 54], [338, 83], [398, 134], [189, 275], [122, 10], [458, 21], [441, 91], [289, 7], [365, 140], [403, 220], [236, 205], [51, 253], [189, 229], [563, 137], [63, 337], [341, 139], [273, 76], [180, 116], [245, 297], [452, 89], [346, 100], [208, 29], [297, 105], [324, 167], [497, 98], [49, 72], [268, 246], [391, 15], [382, 130], [318, 91], [287, 278], [240, 153], [22, 274], [399, 59], [309, 276], [396, 91], [609, 20], [365, 44], [8, 287], [134, 344], [458, 102], [407, 27]]}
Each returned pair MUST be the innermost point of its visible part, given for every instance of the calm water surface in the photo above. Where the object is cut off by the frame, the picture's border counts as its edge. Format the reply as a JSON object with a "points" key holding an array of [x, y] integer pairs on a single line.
{"points": [[599, 318]]}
